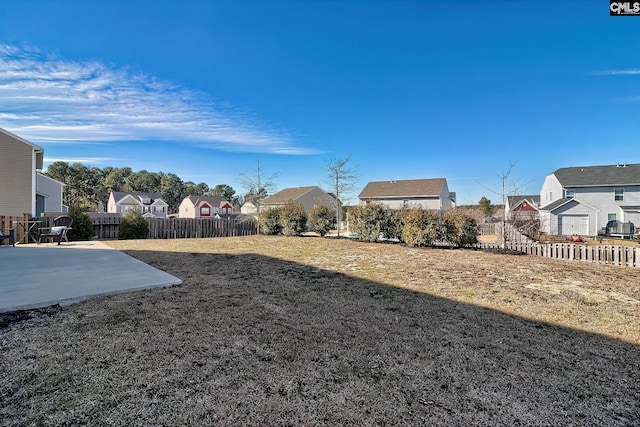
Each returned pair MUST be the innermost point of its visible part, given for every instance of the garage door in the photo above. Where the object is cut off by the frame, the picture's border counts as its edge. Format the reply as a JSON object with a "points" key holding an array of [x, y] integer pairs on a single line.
{"points": [[573, 224]]}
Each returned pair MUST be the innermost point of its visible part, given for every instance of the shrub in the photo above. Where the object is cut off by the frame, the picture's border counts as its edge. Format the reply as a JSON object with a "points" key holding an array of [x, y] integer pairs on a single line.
{"points": [[293, 219], [321, 219], [392, 227], [369, 221], [134, 226], [460, 228], [421, 227], [269, 221], [82, 227]]}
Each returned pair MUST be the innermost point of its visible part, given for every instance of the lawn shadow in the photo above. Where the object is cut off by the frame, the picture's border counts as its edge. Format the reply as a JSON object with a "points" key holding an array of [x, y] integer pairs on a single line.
{"points": [[253, 340]]}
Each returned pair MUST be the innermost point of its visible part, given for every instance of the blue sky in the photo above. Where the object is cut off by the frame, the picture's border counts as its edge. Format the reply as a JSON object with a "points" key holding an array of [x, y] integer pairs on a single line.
{"points": [[408, 89]]}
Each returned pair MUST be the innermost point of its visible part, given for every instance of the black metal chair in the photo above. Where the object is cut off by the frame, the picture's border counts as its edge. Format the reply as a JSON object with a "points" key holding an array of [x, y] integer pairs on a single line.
{"points": [[11, 237], [61, 225]]}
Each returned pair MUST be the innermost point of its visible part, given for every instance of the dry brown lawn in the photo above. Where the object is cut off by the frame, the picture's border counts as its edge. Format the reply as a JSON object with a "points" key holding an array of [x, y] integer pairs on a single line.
{"points": [[311, 331]]}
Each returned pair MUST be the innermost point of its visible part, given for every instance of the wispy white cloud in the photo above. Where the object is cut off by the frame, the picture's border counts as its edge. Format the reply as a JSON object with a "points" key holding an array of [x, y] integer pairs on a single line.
{"points": [[630, 72], [83, 160], [48, 99]]}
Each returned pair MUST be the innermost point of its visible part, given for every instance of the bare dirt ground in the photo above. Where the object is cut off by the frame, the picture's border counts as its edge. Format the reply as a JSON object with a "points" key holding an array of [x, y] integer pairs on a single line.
{"points": [[311, 331]]}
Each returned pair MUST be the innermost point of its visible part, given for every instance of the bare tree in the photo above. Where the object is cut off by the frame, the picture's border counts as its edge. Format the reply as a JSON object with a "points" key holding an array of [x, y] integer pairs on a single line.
{"points": [[508, 186], [258, 186], [342, 179]]}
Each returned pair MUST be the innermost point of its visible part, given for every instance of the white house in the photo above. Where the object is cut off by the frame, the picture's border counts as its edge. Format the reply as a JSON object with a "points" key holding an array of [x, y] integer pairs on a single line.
{"points": [[49, 194], [204, 207], [581, 200], [431, 194], [148, 204]]}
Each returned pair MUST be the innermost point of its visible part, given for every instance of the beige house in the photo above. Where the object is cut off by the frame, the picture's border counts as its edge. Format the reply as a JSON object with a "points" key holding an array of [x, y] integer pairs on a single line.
{"points": [[431, 194], [23, 189], [308, 197], [150, 205], [250, 207], [204, 207]]}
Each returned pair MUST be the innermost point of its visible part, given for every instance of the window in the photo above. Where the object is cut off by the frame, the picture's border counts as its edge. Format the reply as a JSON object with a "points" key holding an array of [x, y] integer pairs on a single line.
{"points": [[405, 202], [611, 217], [618, 195], [570, 194], [204, 211]]}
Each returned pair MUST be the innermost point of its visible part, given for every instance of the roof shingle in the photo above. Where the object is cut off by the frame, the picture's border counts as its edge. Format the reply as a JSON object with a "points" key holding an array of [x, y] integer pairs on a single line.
{"points": [[403, 188], [593, 176]]}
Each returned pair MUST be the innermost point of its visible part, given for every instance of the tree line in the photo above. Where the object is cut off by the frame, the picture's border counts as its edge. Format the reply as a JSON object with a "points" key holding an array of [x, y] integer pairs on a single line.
{"points": [[87, 186]]}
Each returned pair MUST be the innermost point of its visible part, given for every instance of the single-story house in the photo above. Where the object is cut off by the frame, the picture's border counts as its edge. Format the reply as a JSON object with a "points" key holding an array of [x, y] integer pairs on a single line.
{"points": [[150, 205], [308, 197], [204, 207], [431, 194], [581, 200], [23, 188]]}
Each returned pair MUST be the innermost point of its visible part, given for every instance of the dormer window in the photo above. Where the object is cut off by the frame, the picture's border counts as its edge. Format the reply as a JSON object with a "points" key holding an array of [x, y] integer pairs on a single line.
{"points": [[618, 195], [569, 194], [145, 200]]}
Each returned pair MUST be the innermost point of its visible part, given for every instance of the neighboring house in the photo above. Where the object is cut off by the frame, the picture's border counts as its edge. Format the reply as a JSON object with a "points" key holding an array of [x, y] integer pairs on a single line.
{"points": [[523, 207], [23, 189], [250, 207], [204, 207], [148, 204], [432, 194], [49, 195], [581, 200], [308, 197]]}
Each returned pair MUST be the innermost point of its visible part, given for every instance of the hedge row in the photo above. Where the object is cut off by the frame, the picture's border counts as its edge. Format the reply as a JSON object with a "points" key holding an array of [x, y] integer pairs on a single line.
{"points": [[415, 227], [292, 220]]}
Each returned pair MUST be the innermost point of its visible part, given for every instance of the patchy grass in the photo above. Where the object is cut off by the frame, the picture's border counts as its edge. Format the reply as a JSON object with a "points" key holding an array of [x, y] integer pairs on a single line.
{"points": [[307, 331]]}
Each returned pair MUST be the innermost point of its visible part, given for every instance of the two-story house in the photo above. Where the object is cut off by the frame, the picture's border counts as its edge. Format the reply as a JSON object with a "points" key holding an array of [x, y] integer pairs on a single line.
{"points": [[23, 189], [148, 204], [581, 200], [431, 194], [204, 207]]}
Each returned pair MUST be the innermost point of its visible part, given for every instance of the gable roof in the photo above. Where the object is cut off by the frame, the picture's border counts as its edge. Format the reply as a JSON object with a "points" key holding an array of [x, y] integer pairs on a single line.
{"points": [[561, 202], [404, 188], [287, 194], [119, 195], [514, 201], [595, 176], [217, 201]]}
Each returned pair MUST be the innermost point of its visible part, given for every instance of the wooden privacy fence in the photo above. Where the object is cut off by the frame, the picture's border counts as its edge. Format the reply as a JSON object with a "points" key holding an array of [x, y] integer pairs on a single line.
{"points": [[106, 226], [10, 222], [602, 254], [185, 228]]}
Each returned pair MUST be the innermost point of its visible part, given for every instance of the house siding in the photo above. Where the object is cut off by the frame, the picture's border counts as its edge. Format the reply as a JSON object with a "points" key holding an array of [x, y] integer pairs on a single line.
{"points": [[52, 192], [551, 190], [598, 202], [431, 203], [17, 176]]}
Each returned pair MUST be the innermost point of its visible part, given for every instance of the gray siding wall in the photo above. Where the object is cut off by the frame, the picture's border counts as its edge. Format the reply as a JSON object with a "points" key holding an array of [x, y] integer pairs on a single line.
{"points": [[17, 177]]}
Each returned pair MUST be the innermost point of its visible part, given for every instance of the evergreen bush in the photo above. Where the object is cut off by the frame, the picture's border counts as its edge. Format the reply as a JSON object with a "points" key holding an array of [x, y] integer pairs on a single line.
{"points": [[133, 226], [293, 219], [321, 219], [269, 221]]}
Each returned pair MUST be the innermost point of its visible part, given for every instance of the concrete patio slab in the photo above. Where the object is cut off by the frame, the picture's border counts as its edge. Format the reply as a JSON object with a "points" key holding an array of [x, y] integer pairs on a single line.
{"points": [[35, 276]]}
